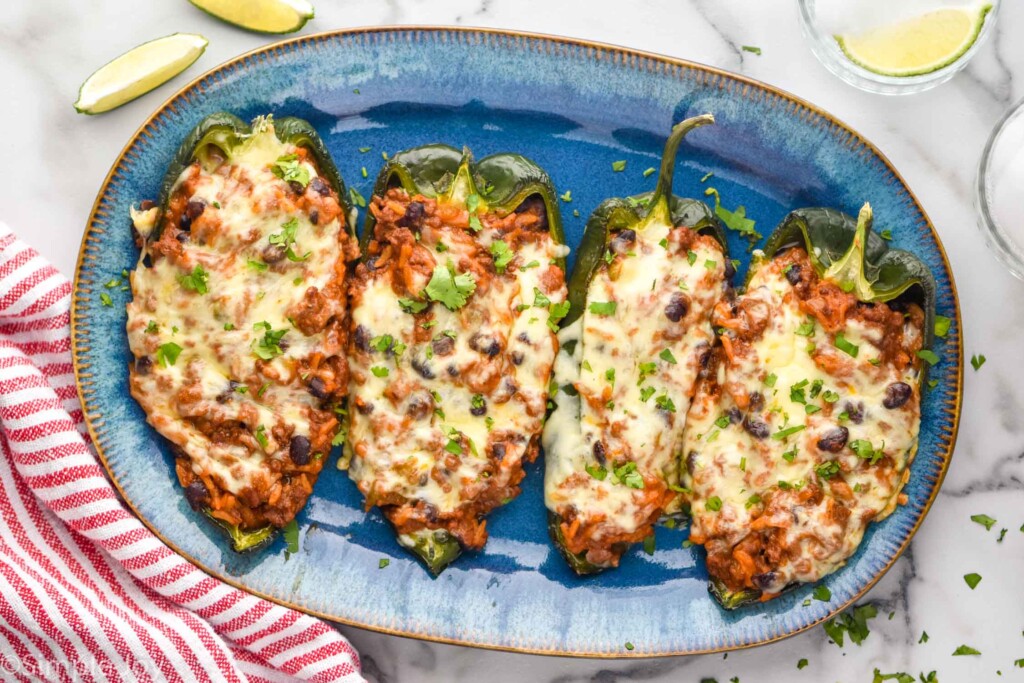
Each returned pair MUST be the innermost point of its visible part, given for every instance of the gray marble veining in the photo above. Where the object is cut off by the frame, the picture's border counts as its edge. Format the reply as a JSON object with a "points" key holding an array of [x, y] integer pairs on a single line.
{"points": [[53, 161]]}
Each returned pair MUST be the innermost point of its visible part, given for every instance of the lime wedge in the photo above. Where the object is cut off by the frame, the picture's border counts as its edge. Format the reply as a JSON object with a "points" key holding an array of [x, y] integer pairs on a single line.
{"points": [[262, 16], [138, 71], [917, 46]]}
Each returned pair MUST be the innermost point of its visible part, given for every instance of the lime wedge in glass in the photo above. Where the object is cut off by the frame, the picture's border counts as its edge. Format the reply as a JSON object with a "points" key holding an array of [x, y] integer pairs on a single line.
{"points": [[138, 71], [919, 45], [262, 16]]}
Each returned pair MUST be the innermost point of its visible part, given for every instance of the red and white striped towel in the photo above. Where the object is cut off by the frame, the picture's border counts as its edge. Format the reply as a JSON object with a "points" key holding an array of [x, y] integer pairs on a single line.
{"points": [[86, 591]]}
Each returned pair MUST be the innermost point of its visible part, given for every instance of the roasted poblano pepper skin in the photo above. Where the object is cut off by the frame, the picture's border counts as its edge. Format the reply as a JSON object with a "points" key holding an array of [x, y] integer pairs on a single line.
{"points": [[846, 252], [636, 213], [211, 143], [213, 139], [502, 182]]}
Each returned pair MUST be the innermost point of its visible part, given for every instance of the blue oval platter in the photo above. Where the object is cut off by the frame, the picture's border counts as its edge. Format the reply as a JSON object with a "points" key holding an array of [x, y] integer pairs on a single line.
{"points": [[575, 108]]}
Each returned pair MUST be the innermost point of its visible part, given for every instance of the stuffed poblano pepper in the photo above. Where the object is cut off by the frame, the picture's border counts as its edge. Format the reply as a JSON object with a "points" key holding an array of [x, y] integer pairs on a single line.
{"points": [[238, 323], [454, 310], [804, 432], [647, 276]]}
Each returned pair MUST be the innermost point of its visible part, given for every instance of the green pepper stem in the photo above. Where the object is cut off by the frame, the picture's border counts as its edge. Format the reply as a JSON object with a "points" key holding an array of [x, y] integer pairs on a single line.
{"points": [[659, 206], [848, 271], [462, 185]]}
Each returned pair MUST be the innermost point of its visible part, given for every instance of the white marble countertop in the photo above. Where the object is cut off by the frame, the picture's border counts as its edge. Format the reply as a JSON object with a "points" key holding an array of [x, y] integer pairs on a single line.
{"points": [[52, 162]]}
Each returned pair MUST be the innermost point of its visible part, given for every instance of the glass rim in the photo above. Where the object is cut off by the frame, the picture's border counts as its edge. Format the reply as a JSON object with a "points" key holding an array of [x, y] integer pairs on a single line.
{"points": [[835, 60], [1000, 242]]}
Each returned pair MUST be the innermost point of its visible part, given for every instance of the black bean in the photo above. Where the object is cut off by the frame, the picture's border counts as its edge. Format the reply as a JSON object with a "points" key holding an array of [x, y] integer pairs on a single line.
{"points": [[413, 217], [834, 439], [855, 411], [763, 581], [735, 416], [361, 338], [364, 408], [419, 406], [485, 344], [146, 204], [518, 357], [896, 395], [422, 369], [756, 400], [691, 462], [479, 411], [143, 364], [443, 345], [371, 262], [317, 388], [184, 222], [599, 452], [196, 495], [314, 216], [498, 451], [523, 337], [147, 261], [623, 240], [298, 449], [677, 307], [229, 391], [182, 237], [320, 186], [195, 207], [756, 427], [272, 253], [452, 371], [793, 274]]}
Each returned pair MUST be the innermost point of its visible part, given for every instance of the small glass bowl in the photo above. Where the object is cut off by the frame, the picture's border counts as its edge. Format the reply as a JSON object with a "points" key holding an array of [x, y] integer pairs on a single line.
{"points": [[998, 193], [828, 52]]}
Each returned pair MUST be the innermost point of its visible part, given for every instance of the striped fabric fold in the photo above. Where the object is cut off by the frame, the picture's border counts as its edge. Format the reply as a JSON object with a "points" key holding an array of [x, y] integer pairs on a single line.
{"points": [[87, 593]]}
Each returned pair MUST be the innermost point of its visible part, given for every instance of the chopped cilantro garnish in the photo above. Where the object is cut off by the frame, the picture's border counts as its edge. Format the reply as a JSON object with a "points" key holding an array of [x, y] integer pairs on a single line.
{"points": [[827, 469], [752, 49], [167, 354], [710, 264], [866, 451], [526, 266], [566, 196], [853, 623], [261, 437], [540, 300], [556, 312], [722, 422], [976, 361], [502, 255], [821, 594], [801, 663], [450, 289], [885, 234], [618, 166], [806, 329], [383, 562], [790, 455], [648, 171], [152, 327], [923, 638], [355, 197], [965, 650], [713, 504], [291, 537], [603, 307], [363, 171], [972, 580], [628, 476], [596, 471], [691, 256], [364, 150], [288, 169], [646, 393], [771, 379], [985, 521], [196, 281], [752, 501], [229, 326], [412, 306], [928, 356], [663, 402], [942, 324], [666, 355], [105, 299], [845, 346], [649, 544], [629, 645], [259, 266], [783, 433], [269, 346]]}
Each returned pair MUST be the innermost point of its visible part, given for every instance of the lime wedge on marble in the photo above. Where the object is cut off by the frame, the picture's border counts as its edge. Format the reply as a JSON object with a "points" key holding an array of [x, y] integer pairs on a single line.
{"points": [[262, 16], [918, 45], [138, 71]]}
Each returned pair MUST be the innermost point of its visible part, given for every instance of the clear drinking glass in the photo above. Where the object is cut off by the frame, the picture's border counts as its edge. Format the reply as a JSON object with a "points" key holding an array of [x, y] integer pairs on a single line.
{"points": [[999, 190], [826, 49]]}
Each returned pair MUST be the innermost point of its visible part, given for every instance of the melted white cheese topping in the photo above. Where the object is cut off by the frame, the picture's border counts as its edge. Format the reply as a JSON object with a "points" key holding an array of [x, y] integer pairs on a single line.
{"points": [[400, 447], [731, 467], [215, 330], [623, 366]]}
